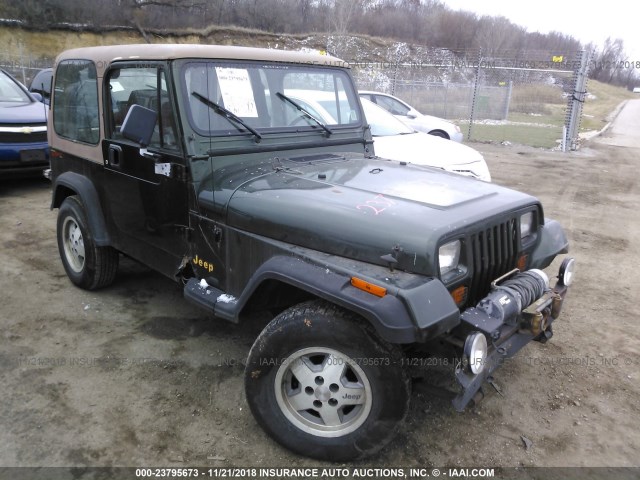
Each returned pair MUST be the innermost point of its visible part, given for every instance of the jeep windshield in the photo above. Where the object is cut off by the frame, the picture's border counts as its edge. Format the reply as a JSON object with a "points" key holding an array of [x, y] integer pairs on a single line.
{"points": [[256, 93]]}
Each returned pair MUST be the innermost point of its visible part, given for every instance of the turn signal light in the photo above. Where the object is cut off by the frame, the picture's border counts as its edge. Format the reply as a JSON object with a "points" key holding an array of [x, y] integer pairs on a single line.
{"points": [[368, 287], [522, 262], [459, 295]]}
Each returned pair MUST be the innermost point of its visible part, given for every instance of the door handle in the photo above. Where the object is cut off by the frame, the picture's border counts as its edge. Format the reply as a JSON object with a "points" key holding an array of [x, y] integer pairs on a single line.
{"points": [[115, 155], [147, 154]]}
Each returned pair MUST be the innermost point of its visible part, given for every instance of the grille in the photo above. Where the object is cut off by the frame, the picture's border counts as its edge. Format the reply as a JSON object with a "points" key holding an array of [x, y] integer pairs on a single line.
{"points": [[19, 137], [494, 253]]}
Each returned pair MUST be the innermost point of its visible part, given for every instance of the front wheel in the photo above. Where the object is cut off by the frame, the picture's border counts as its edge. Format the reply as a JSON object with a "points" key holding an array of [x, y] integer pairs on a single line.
{"points": [[87, 265], [322, 383], [439, 133]]}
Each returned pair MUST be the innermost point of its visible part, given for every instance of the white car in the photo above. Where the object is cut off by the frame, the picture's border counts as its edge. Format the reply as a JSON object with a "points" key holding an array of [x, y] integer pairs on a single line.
{"points": [[394, 140], [416, 120]]}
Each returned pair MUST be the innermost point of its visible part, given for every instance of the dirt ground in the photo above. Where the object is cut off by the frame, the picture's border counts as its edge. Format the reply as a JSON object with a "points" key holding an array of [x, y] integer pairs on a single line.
{"points": [[133, 375]]}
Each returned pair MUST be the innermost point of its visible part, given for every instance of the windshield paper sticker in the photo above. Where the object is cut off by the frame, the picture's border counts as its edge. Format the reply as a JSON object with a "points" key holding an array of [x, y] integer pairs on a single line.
{"points": [[237, 92]]}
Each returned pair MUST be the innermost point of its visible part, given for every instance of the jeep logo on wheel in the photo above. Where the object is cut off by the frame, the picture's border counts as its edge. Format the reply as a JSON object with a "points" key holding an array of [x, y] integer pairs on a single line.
{"points": [[346, 396]]}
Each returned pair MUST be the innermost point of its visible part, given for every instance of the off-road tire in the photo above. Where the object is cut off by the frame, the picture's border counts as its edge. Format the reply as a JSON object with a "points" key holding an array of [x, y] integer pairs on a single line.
{"points": [[87, 265], [353, 382]]}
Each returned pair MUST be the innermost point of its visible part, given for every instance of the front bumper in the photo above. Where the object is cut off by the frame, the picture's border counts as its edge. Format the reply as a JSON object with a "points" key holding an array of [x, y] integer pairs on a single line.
{"points": [[506, 337], [457, 137], [23, 159]]}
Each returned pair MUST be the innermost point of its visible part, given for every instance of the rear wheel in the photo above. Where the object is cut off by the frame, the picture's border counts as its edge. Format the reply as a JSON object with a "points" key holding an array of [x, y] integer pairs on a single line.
{"points": [[87, 265], [322, 383]]}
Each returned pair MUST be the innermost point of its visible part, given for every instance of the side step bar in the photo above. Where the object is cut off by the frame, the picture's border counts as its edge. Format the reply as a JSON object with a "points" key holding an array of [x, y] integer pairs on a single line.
{"points": [[211, 299]]}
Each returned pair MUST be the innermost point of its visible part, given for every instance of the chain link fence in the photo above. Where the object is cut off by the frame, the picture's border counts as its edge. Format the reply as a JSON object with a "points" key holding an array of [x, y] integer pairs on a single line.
{"points": [[24, 67], [533, 100]]}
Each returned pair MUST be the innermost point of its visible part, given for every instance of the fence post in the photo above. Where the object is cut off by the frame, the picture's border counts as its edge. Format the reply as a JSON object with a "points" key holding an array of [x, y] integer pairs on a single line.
{"points": [[576, 101], [24, 76], [395, 76], [475, 95], [446, 100], [507, 102]]}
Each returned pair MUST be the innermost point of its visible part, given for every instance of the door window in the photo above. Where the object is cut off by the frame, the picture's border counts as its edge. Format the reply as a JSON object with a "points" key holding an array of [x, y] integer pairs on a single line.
{"points": [[392, 105], [146, 87]]}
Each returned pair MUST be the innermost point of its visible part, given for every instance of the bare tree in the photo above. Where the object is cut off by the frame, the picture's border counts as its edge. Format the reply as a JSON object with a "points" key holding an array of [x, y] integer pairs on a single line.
{"points": [[608, 61]]}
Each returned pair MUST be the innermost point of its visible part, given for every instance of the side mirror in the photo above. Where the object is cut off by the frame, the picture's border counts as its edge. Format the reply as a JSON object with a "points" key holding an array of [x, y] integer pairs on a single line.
{"points": [[37, 96], [138, 125], [412, 113]]}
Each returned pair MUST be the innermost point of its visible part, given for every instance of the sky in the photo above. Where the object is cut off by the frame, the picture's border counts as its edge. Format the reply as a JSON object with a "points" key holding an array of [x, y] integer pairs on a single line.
{"points": [[586, 21]]}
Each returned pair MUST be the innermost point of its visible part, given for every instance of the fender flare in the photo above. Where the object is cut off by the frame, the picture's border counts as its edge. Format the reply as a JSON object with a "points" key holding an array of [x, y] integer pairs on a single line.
{"points": [[553, 242], [84, 188], [392, 316]]}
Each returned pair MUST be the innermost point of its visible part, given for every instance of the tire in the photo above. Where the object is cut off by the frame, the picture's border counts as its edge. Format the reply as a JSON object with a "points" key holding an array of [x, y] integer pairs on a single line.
{"points": [[322, 383], [87, 265], [439, 133]]}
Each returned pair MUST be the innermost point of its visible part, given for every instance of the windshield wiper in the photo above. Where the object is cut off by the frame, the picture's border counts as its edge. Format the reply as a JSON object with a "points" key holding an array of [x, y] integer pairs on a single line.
{"points": [[220, 110], [305, 113]]}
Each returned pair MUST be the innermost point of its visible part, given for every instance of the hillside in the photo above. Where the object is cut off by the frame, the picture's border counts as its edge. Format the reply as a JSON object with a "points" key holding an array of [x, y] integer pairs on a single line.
{"points": [[45, 45]]}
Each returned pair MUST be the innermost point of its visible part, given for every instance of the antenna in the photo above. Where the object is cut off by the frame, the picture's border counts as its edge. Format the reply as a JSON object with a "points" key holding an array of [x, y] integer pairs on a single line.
{"points": [[44, 105]]}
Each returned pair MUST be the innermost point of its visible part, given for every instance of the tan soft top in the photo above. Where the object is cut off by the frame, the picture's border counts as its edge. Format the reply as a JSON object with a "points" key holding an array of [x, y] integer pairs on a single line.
{"points": [[104, 56]]}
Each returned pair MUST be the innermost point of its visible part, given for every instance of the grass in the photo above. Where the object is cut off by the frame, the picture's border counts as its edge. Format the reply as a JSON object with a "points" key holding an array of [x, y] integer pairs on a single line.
{"points": [[549, 108], [596, 111], [535, 98], [543, 137], [536, 116]]}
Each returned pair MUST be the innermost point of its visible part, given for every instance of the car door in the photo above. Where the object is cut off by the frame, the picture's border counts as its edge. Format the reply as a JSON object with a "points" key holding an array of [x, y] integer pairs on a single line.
{"points": [[146, 188]]}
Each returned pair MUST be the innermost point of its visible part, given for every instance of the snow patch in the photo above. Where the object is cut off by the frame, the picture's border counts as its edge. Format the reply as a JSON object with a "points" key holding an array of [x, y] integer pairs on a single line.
{"points": [[224, 298]]}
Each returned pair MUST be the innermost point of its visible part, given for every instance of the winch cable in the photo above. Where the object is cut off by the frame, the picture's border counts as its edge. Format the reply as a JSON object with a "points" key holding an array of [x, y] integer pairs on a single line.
{"points": [[528, 287]]}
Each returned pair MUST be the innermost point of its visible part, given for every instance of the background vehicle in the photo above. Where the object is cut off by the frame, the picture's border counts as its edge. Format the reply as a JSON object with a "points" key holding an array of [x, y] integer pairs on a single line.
{"points": [[395, 140], [23, 130], [41, 84], [416, 120], [204, 166]]}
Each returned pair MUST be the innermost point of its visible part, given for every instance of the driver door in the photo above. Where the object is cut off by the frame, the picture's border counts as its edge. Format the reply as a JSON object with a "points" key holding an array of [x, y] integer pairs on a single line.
{"points": [[148, 195]]}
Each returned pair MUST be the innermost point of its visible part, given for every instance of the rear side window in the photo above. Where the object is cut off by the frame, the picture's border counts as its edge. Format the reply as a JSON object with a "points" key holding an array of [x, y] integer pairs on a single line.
{"points": [[392, 105], [75, 104]]}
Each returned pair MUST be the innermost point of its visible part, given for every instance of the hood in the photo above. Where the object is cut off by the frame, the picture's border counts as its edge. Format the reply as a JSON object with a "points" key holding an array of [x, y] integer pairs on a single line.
{"points": [[362, 208], [23, 113]]}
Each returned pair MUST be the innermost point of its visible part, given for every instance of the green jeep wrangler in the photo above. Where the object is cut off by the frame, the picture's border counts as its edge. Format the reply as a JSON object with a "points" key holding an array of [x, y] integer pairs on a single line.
{"points": [[200, 162]]}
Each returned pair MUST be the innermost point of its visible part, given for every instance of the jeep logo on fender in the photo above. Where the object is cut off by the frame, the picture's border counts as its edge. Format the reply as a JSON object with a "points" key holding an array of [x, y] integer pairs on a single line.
{"points": [[208, 266]]}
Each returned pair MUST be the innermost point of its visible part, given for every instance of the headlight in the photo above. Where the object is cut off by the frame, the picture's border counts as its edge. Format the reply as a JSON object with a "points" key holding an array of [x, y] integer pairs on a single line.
{"points": [[567, 271], [449, 256], [475, 352], [526, 225]]}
